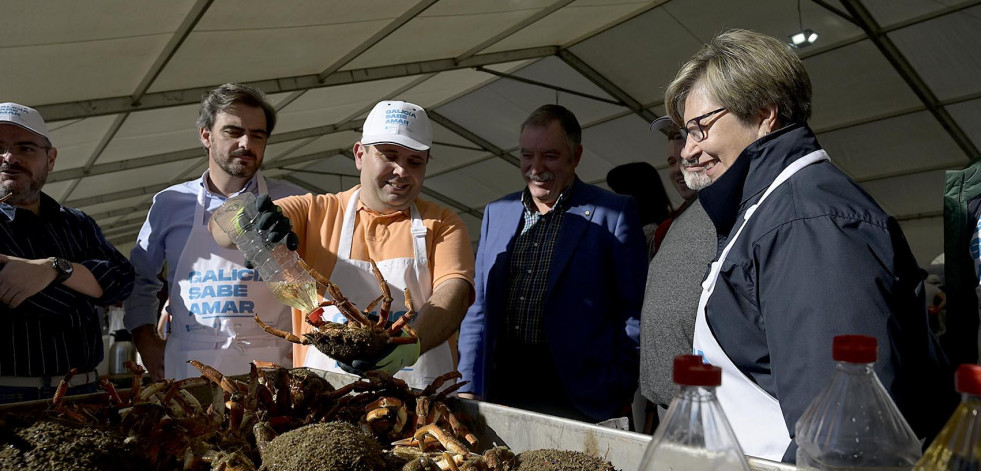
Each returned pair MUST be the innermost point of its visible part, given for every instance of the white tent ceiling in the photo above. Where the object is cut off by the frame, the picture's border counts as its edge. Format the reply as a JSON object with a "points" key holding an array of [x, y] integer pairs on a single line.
{"points": [[896, 86]]}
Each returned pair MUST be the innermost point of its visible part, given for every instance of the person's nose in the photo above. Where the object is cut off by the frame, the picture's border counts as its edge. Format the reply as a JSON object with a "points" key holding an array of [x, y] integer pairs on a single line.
{"points": [[7, 153], [398, 168], [691, 150], [536, 164]]}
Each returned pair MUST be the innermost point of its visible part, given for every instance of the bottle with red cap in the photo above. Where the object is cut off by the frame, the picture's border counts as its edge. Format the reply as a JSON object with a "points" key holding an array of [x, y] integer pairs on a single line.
{"points": [[695, 435], [958, 446], [853, 423]]}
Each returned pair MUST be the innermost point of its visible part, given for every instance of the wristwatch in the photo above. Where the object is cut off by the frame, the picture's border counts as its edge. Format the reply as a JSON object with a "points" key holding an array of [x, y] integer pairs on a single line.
{"points": [[63, 267]]}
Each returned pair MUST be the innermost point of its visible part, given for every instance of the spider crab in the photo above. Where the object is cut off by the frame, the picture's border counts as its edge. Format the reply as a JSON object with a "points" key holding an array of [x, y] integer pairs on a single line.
{"points": [[361, 336]]}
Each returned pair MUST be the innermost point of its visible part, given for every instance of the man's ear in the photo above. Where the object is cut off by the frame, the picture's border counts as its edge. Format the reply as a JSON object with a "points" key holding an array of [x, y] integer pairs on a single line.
{"points": [[205, 135], [359, 151], [52, 155]]}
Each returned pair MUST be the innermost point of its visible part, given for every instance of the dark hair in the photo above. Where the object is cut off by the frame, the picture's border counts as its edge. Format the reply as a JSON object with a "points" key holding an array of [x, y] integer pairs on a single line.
{"points": [[545, 114], [640, 180], [223, 97]]}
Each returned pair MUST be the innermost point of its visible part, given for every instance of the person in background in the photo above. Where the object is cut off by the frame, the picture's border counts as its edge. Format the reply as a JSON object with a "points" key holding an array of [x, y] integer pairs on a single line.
{"points": [[416, 244], [961, 336], [641, 181], [56, 269], [560, 270], [804, 252], [674, 276], [213, 296]]}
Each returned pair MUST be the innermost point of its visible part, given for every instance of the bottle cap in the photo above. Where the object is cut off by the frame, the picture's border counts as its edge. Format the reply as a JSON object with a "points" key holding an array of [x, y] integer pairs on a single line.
{"points": [[968, 379], [689, 370], [854, 348]]}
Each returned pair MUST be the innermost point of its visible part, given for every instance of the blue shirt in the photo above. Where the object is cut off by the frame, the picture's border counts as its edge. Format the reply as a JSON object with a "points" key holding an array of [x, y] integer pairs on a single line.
{"points": [[58, 328], [164, 235]]}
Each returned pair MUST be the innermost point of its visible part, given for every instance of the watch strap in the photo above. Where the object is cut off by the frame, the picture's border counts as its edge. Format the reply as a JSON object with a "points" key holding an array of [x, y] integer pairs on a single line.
{"points": [[64, 269]]}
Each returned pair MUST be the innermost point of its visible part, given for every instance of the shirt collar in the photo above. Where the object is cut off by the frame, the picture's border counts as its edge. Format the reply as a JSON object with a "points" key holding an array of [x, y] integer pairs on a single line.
{"points": [[753, 172], [250, 186], [362, 207], [48, 206], [561, 204]]}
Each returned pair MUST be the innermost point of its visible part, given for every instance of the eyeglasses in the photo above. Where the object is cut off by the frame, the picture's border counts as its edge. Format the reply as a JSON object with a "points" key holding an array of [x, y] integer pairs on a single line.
{"points": [[694, 127], [23, 149]]}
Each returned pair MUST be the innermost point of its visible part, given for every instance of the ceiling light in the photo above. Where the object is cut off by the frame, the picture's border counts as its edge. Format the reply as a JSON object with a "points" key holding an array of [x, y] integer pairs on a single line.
{"points": [[803, 38]]}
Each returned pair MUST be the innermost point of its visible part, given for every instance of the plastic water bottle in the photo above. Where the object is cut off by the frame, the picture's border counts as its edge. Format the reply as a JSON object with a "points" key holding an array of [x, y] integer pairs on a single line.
{"points": [[695, 434], [958, 445], [277, 265], [853, 424]]}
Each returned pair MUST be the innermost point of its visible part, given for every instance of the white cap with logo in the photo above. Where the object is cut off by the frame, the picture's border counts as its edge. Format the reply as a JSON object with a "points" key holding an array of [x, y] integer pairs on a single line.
{"points": [[25, 117], [398, 122]]}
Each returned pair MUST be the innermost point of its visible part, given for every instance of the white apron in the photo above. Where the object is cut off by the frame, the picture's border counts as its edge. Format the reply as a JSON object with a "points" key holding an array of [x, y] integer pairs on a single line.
{"points": [[356, 281], [213, 302], [755, 416]]}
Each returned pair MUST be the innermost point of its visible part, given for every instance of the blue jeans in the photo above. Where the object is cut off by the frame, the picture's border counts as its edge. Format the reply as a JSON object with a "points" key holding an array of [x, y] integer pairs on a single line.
{"points": [[10, 394]]}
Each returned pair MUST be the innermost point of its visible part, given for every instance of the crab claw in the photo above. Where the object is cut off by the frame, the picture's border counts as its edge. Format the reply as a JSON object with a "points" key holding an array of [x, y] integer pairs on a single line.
{"points": [[316, 317]]}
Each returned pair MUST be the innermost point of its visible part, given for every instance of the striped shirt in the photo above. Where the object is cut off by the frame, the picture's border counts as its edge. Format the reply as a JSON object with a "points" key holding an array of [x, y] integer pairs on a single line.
{"points": [[58, 328], [531, 258]]}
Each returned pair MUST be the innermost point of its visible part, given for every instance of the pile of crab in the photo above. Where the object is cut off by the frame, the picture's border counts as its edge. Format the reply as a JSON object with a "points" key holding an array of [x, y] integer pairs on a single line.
{"points": [[277, 418]]}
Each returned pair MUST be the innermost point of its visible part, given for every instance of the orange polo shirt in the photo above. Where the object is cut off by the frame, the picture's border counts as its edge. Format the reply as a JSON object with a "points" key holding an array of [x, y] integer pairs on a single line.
{"points": [[317, 220]]}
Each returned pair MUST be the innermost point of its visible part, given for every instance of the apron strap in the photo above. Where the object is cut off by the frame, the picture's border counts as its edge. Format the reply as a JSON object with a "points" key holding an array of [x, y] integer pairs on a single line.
{"points": [[813, 157]]}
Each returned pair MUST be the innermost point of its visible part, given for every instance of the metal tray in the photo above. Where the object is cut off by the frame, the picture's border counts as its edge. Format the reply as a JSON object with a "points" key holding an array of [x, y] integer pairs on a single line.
{"points": [[518, 429], [523, 430]]}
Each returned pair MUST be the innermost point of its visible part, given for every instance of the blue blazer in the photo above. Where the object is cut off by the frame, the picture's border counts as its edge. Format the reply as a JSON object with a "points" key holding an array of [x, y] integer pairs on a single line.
{"points": [[596, 282]]}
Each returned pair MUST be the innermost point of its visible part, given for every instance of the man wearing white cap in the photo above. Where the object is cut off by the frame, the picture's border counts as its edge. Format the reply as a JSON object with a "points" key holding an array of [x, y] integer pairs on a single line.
{"points": [[416, 244], [214, 297], [56, 268]]}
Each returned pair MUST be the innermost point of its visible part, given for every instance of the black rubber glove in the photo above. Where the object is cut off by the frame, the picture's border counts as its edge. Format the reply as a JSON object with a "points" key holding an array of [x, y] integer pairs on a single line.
{"points": [[392, 359], [277, 227]]}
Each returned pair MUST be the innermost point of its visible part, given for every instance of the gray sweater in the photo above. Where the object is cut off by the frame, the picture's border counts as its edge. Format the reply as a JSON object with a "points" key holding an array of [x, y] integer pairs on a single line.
{"points": [[674, 283]]}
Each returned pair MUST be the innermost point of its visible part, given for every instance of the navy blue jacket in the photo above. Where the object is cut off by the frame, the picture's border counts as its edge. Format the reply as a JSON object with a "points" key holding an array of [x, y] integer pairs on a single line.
{"points": [[819, 258], [595, 283]]}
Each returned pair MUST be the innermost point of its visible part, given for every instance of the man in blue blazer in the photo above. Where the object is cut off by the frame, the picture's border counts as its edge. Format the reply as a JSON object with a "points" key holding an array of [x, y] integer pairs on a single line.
{"points": [[560, 269]]}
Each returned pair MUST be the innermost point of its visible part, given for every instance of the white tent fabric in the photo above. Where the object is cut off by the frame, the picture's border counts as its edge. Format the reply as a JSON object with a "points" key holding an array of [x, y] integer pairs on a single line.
{"points": [[896, 89]]}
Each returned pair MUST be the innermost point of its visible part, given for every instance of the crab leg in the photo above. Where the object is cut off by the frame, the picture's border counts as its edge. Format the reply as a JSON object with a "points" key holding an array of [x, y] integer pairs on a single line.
{"points": [[111, 391], [458, 428], [281, 333], [402, 323], [266, 365], [439, 382], [59, 394], [449, 443], [228, 385], [450, 390], [138, 372], [386, 297], [343, 304]]}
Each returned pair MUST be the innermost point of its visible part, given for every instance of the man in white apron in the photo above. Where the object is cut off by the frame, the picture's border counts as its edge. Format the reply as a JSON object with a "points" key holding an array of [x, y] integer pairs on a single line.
{"points": [[416, 245], [213, 296], [805, 255]]}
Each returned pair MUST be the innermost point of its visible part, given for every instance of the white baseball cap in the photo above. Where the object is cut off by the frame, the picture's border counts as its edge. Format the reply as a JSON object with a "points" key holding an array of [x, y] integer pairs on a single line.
{"points": [[25, 117], [398, 122]]}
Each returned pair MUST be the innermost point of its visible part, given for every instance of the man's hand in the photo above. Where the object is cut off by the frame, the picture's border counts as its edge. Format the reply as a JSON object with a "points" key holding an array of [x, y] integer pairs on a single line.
{"points": [[21, 278], [151, 348], [391, 360], [273, 223]]}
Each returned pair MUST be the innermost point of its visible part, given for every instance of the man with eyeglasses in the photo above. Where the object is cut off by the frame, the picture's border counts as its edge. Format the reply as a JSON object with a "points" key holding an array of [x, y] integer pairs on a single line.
{"points": [[685, 244], [57, 267]]}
